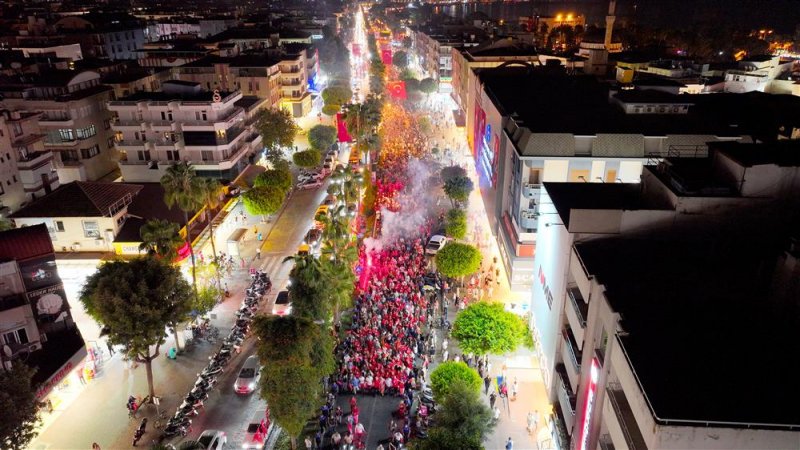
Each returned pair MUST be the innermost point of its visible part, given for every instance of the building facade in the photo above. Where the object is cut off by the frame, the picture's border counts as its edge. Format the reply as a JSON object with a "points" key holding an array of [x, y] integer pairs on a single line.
{"points": [[73, 119], [629, 277], [253, 75], [182, 122], [27, 170]]}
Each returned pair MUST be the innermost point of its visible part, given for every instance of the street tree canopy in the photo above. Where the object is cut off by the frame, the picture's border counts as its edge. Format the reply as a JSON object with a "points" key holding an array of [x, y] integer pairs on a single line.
{"points": [[321, 137], [463, 413], [451, 172], [276, 127], [135, 301], [448, 373], [337, 95], [457, 260], [428, 85], [458, 189], [485, 327], [280, 178], [400, 59], [263, 201], [456, 223], [307, 158], [160, 238], [440, 438], [19, 410]]}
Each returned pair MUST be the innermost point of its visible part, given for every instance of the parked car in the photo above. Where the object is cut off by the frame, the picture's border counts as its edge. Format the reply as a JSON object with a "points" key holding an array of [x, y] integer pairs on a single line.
{"points": [[322, 211], [306, 176], [212, 440], [248, 376], [283, 304], [310, 184], [435, 243]]}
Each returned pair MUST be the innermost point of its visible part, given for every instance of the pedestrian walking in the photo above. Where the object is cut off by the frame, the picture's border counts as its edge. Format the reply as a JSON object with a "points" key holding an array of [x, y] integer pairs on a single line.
{"points": [[514, 387], [95, 446], [308, 443], [492, 399], [496, 413], [509, 444], [487, 381], [260, 237], [533, 421], [80, 376], [445, 355], [110, 347], [258, 253]]}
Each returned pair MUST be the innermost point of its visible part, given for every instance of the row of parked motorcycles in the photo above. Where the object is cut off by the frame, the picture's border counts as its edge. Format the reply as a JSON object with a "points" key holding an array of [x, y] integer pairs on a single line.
{"points": [[180, 423]]}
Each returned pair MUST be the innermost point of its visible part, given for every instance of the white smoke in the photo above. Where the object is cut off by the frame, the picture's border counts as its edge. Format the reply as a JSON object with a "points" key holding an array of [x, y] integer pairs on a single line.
{"points": [[416, 205]]}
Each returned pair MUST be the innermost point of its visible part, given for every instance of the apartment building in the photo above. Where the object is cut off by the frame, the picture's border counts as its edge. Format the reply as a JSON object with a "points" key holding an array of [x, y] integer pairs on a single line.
{"points": [[125, 82], [253, 75], [434, 50], [36, 326], [70, 52], [27, 170], [73, 118], [112, 36], [536, 125], [295, 96], [182, 122], [646, 294]]}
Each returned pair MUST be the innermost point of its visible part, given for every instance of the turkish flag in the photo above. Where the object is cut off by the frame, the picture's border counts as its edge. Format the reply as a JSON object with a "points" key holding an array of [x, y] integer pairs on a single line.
{"points": [[397, 89], [386, 56]]}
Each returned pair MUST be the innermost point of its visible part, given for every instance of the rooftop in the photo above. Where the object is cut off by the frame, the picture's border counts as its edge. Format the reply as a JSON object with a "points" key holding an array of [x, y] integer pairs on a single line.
{"points": [[546, 100], [651, 96], [81, 199], [504, 47], [248, 60], [25, 243], [160, 96], [149, 204], [691, 311], [784, 153]]}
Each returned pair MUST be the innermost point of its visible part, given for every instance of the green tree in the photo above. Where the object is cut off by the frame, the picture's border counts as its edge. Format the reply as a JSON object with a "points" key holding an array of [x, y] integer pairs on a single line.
{"points": [[458, 189], [307, 288], [488, 328], [6, 224], [263, 200], [331, 110], [457, 260], [456, 223], [440, 438], [135, 301], [346, 184], [211, 196], [277, 130], [295, 354], [307, 158], [160, 238], [337, 95], [321, 137], [183, 188], [362, 119], [428, 85], [207, 299], [463, 413], [280, 178], [19, 409], [448, 373], [451, 172], [400, 59]]}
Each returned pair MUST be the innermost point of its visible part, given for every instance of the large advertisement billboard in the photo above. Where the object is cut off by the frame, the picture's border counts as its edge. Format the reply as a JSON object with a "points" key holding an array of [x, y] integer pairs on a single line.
{"points": [[50, 308], [39, 272], [486, 147]]}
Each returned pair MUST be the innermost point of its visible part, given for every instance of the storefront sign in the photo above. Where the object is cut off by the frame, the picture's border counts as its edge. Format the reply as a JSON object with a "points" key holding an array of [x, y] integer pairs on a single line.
{"points": [[547, 294], [583, 443], [39, 272], [61, 374], [50, 308]]}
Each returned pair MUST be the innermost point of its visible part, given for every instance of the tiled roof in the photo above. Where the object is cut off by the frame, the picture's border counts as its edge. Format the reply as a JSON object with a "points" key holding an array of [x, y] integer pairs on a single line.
{"points": [[24, 243], [80, 199]]}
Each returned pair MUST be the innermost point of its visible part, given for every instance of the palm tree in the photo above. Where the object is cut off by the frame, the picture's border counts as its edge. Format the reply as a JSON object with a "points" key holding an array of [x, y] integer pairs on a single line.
{"points": [[160, 238], [211, 192], [182, 187], [308, 287]]}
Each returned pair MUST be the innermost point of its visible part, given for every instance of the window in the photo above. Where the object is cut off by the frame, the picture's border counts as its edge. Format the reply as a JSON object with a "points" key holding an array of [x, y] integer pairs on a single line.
{"points": [[14, 177], [207, 155], [110, 142], [86, 133], [107, 123], [204, 115], [66, 134], [17, 128], [144, 155], [535, 176], [59, 226], [18, 336], [173, 155], [69, 155], [163, 115], [90, 152], [90, 229]]}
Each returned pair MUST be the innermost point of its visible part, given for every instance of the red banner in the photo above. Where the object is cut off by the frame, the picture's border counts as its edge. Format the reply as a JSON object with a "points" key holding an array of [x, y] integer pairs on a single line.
{"points": [[356, 49], [397, 89], [341, 129]]}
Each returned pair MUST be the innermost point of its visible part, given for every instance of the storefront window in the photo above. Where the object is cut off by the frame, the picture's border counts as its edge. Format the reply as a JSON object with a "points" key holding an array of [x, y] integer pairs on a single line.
{"points": [[91, 230]]}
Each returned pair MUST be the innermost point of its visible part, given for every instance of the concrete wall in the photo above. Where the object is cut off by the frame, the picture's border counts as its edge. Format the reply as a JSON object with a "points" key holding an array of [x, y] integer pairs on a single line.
{"points": [[74, 233]]}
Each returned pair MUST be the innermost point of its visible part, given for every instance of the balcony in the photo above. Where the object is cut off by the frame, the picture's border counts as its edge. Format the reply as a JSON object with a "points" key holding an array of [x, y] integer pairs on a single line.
{"points": [[571, 355], [625, 418], [128, 124], [530, 190], [566, 397], [579, 307], [128, 145], [162, 125], [33, 160], [61, 143], [56, 121]]}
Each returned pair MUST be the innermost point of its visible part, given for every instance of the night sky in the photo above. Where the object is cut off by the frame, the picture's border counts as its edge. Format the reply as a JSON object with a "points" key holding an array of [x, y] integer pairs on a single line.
{"points": [[782, 15]]}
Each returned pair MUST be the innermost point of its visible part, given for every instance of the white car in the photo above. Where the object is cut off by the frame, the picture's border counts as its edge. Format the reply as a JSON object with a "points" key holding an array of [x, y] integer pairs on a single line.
{"points": [[212, 440], [435, 244], [306, 176], [310, 184], [283, 305], [258, 430], [248, 377]]}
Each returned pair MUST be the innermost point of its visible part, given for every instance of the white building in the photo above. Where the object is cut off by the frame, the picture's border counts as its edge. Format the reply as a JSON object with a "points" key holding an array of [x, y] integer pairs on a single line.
{"points": [[649, 299], [182, 123]]}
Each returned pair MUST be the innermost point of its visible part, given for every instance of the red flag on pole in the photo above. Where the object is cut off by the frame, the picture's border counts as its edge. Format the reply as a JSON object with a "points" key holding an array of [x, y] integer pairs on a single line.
{"points": [[397, 89], [386, 56], [341, 129]]}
